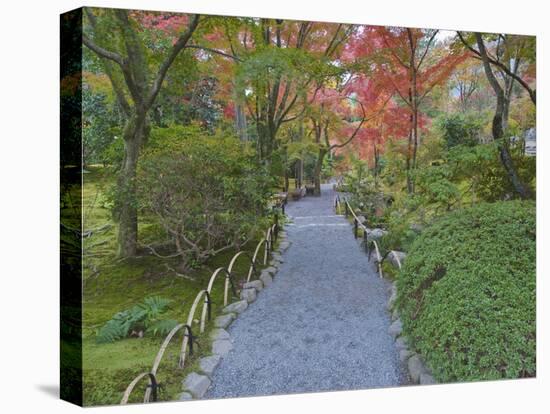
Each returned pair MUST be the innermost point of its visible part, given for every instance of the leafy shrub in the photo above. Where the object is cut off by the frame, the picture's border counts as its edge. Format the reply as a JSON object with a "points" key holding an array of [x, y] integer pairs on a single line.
{"points": [[143, 317], [481, 168], [466, 293], [207, 192], [458, 129]]}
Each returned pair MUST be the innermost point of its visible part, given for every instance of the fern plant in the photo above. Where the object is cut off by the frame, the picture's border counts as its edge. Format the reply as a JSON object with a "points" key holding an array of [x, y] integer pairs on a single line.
{"points": [[143, 317]]}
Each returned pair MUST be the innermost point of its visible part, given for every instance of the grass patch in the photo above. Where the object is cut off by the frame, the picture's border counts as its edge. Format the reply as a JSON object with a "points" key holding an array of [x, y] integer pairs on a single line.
{"points": [[111, 285]]}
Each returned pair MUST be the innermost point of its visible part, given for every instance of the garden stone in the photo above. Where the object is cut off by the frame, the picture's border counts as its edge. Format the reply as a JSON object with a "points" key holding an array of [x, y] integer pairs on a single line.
{"points": [[362, 219], [224, 321], [427, 379], [248, 294], [394, 315], [208, 364], [416, 368], [196, 384], [271, 270], [266, 279], [376, 234], [277, 256], [393, 297], [396, 328], [217, 334], [404, 354], [394, 255], [284, 245], [274, 263], [401, 343], [221, 347], [236, 307], [254, 284], [184, 396]]}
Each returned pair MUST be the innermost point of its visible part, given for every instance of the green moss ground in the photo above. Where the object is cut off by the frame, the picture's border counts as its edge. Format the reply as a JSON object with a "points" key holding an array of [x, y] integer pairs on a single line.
{"points": [[111, 285]]}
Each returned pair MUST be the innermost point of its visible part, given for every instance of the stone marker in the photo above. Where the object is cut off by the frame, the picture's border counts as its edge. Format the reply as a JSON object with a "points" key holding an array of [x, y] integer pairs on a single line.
{"points": [[208, 364], [236, 307], [196, 384], [254, 284], [221, 347], [224, 321], [248, 294]]}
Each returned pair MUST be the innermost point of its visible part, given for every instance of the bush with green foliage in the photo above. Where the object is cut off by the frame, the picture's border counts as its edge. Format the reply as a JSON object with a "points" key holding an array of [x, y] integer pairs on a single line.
{"points": [[143, 317], [207, 192], [460, 129], [467, 295]]}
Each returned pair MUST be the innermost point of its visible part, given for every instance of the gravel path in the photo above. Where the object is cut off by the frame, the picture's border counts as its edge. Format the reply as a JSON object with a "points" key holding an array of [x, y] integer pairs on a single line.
{"points": [[321, 325]]}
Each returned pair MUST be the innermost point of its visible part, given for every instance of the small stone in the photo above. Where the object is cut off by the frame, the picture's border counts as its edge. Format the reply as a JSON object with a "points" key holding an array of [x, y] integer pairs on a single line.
{"points": [[401, 343], [416, 368], [221, 347], [224, 321], [236, 307], [394, 315], [184, 396], [196, 384], [404, 354], [249, 295], [266, 279], [396, 328], [277, 257], [208, 364], [284, 245], [271, 270], [376, 234], [393, 297], [427, 379], [254, 284], [219, 334], [274, 263]]}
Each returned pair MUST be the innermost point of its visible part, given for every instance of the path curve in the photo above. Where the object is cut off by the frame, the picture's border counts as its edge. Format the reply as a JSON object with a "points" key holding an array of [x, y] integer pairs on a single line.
{"points": [[322, 324]]}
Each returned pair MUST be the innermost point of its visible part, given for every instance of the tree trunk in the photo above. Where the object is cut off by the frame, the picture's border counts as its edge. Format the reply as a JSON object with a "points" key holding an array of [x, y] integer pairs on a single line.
{"points": [[499, 124], [317, 172], [135, 133]]}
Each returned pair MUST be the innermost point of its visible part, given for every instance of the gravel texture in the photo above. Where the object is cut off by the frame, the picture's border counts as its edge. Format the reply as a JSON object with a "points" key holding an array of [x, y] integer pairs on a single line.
{"points": [[321, 325]]}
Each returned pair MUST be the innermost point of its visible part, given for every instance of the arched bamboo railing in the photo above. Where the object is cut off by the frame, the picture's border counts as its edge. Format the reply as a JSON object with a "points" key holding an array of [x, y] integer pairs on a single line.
{"points": [[358, 225], [205, 296]]}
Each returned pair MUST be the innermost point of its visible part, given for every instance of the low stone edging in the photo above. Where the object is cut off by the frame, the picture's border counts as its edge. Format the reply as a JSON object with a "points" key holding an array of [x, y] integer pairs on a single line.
{"points": [[196, 384], [419, 373]]}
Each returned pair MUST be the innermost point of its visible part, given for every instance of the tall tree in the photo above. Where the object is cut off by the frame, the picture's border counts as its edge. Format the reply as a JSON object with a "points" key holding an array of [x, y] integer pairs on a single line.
{"points": [[113, 36], [502, 92], [409, 63]]}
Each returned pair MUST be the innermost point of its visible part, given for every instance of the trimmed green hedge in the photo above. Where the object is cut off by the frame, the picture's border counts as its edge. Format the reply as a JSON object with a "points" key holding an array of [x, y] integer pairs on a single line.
{"points": [[467, 296]]}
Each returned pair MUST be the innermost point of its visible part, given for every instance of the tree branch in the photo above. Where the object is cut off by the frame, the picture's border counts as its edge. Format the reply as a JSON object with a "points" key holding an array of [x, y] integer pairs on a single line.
{"points": [[532, 92], [178, 46]]}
